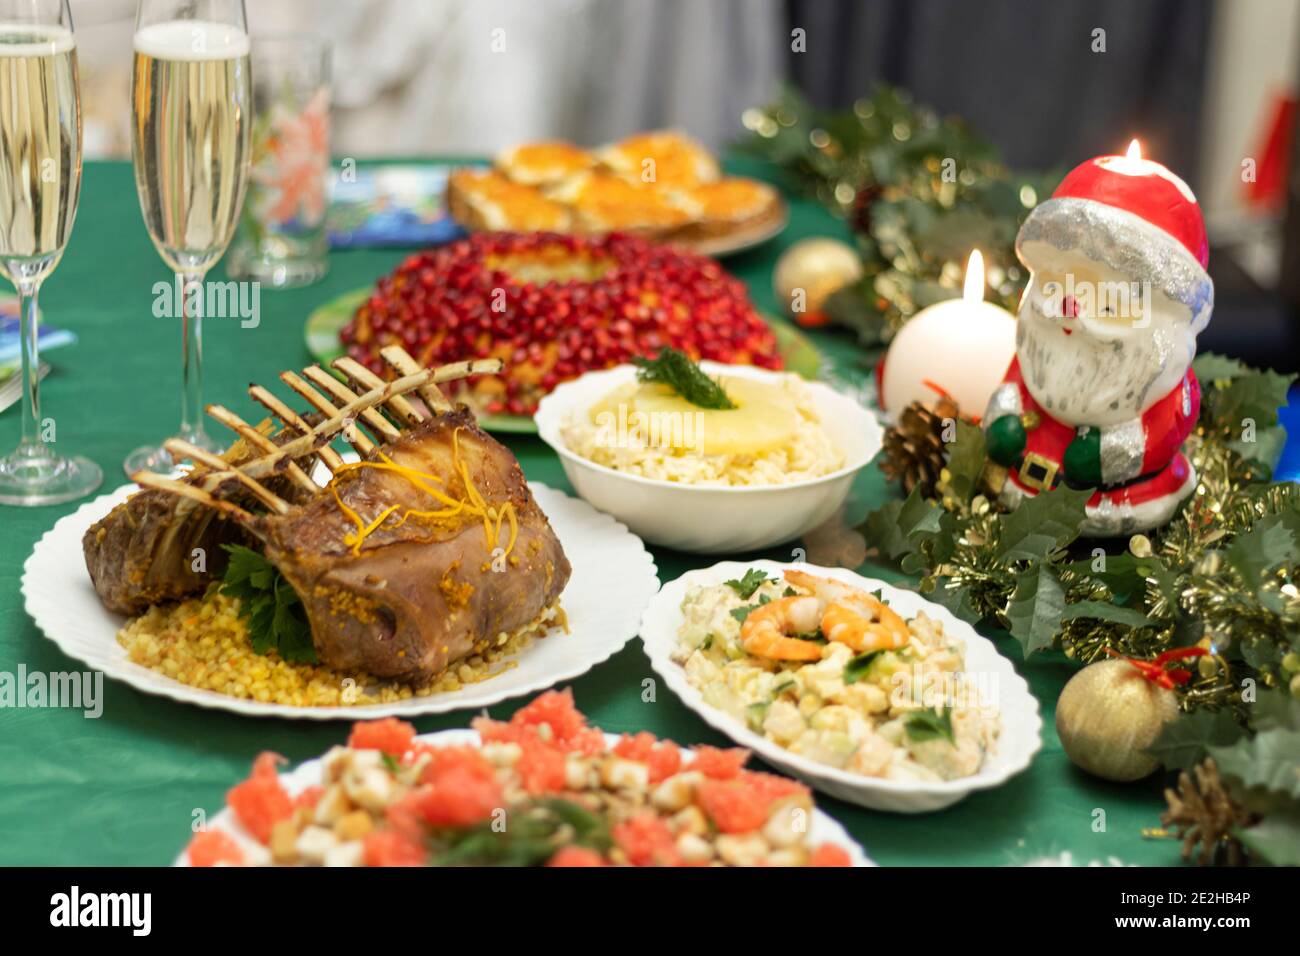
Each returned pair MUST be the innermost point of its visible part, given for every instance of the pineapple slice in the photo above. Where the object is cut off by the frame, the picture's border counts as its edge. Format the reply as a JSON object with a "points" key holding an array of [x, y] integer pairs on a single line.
{"points": [[763, 418]]}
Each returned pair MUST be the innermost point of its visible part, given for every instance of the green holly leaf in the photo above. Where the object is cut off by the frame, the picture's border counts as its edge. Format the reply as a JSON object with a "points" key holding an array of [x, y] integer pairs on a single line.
{"points": [[1275, 708], [958, 601], [895, 527], [1102, 611], [1043, 524], [1269, 761], [1186, 740], [1120, 572], [1035, 610], [1274, 839], [1270, 543], [1210, 367]]}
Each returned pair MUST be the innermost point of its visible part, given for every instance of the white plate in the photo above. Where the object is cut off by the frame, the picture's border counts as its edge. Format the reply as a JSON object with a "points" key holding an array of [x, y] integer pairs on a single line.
{"points": [[613, 578], [822, 830], [712, 519], [1016, 745]]}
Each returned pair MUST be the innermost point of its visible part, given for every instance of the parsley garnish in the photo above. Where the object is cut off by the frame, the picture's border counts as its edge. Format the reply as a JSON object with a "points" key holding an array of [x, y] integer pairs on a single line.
{"points": [[676, 370], [751, 581], [742, 612], [929, 724], [269, 606], [857, 668], [534, 832]]}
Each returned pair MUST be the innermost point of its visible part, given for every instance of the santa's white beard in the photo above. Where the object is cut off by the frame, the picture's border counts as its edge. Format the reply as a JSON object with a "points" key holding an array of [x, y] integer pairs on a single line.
{"points": [[1086, 379]]}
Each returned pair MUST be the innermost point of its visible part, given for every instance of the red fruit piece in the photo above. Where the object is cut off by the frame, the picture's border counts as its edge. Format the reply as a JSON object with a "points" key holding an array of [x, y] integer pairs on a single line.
{"points": [[260, 802], [646, 840], [576, 856], [719, 764], [210, 847], [664, 758], [732, 806], [828, 854], [390, 735], [458, 798], [393, 848]]}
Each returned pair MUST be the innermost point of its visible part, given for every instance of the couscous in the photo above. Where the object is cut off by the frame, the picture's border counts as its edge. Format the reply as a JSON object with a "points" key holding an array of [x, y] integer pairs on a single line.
{"points": [[204, 642]]}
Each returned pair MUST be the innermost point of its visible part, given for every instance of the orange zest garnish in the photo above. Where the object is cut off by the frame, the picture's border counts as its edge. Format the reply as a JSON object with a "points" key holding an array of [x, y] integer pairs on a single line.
{"points": [[473, 503]]}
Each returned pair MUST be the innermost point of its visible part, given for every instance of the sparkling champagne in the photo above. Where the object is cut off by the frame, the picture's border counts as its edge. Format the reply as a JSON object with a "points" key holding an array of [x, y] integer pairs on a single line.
{"points": [[40, 148], [190, 137]]}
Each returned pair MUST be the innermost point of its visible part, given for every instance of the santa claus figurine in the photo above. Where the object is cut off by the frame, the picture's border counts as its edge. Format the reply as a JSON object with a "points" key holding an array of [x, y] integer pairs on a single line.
{"points": [[1101, 393]]}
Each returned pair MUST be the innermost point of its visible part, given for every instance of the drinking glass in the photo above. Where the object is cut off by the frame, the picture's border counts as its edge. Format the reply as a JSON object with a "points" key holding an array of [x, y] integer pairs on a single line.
{"points": [[40, 181], [191, 117], [281, 239]]}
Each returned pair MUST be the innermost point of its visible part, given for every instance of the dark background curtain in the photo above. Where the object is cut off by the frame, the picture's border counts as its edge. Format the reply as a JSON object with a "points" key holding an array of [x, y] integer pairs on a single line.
{"points": [[1022, 72]]}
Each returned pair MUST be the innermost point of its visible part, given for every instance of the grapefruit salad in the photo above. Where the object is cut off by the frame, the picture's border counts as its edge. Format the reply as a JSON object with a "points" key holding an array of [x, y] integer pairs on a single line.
{"points": [[542, 789]]}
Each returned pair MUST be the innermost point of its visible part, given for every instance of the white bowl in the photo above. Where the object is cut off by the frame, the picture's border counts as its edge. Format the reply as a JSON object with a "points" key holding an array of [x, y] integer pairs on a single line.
{"points": [[712, 519], [1019, 739]]}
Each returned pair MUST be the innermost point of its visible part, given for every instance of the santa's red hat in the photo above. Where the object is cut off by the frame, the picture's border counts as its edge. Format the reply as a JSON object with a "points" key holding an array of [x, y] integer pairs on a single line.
{"points": [[1135, 216]]}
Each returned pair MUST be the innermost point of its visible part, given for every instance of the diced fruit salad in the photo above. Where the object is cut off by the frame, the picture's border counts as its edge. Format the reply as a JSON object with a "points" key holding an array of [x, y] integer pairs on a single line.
{"points": [[543, 789]]}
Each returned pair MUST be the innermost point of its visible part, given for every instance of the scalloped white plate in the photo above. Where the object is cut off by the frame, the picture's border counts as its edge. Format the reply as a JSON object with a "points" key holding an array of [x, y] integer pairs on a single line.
{"points": [[822, 829], [1019, 740], [613, 579]]}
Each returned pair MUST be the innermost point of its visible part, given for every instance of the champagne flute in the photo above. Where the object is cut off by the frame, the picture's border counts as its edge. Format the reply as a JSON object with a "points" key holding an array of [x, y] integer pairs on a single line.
{"points": [[40, 181], [191, 120]]}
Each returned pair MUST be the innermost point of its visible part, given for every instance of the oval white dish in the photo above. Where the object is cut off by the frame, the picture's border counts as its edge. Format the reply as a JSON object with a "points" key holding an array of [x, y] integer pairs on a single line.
{"points": [[822, 829], [613, 578], [1018, 741], [712, 519]]}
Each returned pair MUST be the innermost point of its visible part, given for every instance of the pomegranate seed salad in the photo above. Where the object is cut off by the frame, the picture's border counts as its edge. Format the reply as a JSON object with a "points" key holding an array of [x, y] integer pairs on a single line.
{"points": [[832, 673], [544, 788]]}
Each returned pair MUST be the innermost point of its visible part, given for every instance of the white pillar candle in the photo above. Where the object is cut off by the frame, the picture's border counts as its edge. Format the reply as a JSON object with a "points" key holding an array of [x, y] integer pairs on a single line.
{"points": [[960, 347]]}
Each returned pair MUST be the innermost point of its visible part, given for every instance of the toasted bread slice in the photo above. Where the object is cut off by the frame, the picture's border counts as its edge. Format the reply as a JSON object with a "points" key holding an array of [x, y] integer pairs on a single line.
{"points": [[545, 163], [729, 206], [665, 158], [602, 203], [484, 200]]}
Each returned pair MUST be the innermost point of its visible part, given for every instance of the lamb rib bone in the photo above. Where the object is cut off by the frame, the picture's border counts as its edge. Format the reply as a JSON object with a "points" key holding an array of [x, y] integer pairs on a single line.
{"points": [[400, 361], [384, 429], [327, 455], [254, 437], [361, 443], [361, 375]]}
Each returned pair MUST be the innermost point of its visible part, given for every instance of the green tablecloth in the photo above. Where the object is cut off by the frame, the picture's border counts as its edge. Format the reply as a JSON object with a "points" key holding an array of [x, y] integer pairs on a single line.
{"points": [[123, 789]]}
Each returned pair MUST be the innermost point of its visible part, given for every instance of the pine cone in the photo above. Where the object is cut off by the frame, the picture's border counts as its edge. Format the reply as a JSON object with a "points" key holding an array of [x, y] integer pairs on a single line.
{"points": [[1204, 813], [914, 446]]}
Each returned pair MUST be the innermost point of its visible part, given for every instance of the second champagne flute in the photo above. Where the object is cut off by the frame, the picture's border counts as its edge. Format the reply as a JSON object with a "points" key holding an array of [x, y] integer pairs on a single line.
{"points": [[191, 116]]}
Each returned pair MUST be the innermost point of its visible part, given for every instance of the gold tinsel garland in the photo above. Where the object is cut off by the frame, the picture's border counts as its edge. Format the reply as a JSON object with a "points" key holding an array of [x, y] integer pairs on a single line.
{"points": [[1194, 583]]}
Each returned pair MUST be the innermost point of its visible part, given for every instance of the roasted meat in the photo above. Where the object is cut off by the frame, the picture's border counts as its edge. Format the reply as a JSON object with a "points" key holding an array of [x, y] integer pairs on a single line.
{"points": [[423, 552]]}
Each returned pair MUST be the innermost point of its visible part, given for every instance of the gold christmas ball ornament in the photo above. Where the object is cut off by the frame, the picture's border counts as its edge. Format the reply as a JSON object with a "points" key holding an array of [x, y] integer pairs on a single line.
{"points": [[1108, 715], [808, 273]]}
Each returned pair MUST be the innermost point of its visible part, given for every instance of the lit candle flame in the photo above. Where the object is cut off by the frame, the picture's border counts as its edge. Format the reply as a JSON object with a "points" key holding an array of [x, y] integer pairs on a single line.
{"points": [[973, 291], [1134, 151]]}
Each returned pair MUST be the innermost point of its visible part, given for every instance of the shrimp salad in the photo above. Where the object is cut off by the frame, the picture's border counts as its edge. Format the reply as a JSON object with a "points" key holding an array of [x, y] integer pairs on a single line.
{"points": [[831, 672]]}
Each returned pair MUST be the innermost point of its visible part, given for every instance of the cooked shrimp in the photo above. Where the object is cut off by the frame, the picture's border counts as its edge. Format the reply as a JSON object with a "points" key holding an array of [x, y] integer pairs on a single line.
{"points": [[851, 616], [767, 630]]}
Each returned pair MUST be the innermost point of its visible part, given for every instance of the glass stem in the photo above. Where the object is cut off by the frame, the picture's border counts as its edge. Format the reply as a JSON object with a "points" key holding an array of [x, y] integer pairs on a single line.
{"points": [[32, 446], [192, 359]]}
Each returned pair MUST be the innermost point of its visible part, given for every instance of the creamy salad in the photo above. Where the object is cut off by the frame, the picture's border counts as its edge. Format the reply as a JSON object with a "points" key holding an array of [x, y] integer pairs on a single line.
{"points": [[830, 672]]}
